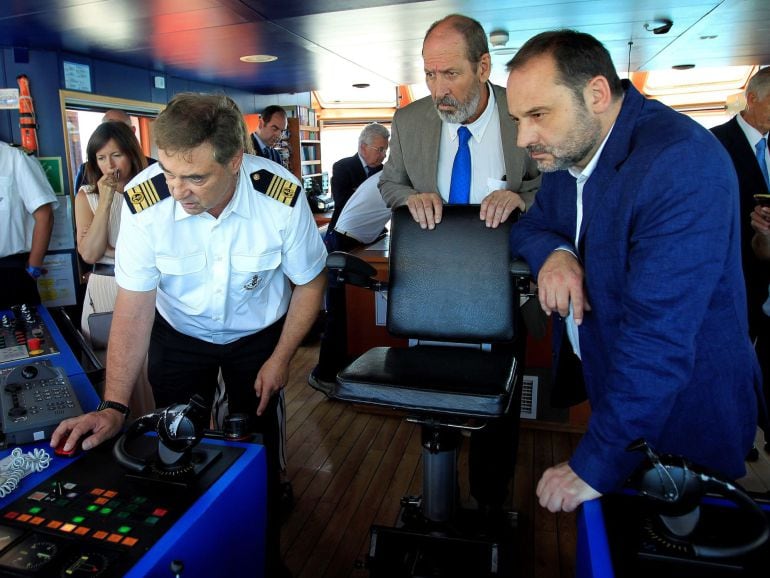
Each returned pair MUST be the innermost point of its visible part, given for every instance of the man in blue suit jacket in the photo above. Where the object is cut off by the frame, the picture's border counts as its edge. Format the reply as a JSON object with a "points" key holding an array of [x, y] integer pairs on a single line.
{"points": [[636, 246]]}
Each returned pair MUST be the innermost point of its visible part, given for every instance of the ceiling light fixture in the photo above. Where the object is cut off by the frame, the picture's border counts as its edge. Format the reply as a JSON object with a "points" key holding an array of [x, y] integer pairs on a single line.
{"points": [[361, 85], [660, 26], [498, 38], [683, 66], [258, 58]]}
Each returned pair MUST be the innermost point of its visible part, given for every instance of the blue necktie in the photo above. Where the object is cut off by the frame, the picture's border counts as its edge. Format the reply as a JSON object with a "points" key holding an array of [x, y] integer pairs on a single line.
{"points": [[761, 147], [460, 187]]}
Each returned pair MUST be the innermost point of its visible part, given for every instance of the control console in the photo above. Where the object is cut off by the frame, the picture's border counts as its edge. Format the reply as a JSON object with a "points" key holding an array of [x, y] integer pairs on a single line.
{"points": [[34, 398], [24, 334]]}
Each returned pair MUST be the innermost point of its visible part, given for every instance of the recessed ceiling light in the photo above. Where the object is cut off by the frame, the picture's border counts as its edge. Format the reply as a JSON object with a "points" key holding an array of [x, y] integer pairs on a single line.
{"points": [[258, 58], [361, 85], [683, 66]]}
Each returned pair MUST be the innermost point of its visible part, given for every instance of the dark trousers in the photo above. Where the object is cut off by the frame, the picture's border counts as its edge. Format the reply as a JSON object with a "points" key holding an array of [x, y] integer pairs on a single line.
{"points": [[493, 449], [17, 287], [180, 366], [333, 352]]}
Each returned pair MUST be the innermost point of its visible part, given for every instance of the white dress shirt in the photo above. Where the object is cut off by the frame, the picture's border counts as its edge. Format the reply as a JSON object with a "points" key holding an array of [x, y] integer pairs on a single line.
{"points": [[487, 160]]}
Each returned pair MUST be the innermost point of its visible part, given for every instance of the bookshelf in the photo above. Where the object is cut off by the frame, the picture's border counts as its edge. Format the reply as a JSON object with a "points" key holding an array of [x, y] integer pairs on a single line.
{"points": [[305, 149]]}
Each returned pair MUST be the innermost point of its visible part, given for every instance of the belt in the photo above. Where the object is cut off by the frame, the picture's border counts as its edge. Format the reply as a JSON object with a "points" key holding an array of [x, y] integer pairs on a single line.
{"points": [[104, 269], [19, 260]]}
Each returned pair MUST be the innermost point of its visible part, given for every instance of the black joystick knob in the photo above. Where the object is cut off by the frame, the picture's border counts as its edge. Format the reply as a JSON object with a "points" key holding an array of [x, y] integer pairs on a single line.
{"points": [[29, 372], [17, 411], [177, 567], [236, 426]]}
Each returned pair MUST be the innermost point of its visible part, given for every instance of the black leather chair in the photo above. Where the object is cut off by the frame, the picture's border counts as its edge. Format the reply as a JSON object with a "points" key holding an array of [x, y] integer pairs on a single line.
{"points": [[451, 292]]}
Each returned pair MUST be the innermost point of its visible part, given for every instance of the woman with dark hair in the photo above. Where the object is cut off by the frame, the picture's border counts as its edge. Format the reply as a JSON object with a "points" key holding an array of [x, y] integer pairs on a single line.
{"points": [[114, 157]]}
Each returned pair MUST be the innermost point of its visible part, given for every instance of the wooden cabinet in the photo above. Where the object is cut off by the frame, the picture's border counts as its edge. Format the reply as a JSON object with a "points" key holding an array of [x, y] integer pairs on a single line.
{"points": [[304, 149]]}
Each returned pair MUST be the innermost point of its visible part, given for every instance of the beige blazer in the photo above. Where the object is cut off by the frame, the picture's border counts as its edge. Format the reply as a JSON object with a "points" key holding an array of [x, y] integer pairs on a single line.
{"points": [[413, 161]]}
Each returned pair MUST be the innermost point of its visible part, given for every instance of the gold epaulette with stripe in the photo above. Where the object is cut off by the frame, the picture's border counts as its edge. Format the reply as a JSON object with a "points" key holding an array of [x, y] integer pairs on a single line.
{"points": [[275, 187], [146, 194]]}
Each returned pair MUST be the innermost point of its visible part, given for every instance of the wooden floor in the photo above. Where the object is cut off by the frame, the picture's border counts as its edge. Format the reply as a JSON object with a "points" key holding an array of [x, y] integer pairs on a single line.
{"points": [[349, 470]]}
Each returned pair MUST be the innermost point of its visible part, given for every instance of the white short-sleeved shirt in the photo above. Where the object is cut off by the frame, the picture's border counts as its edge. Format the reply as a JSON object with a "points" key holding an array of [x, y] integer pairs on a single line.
{"points": [[23, 189], [365, 214], [220, 279]]}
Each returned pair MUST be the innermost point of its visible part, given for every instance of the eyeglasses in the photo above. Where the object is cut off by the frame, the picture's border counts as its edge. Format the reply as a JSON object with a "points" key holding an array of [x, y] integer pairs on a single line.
{"points": [[381, 150]]}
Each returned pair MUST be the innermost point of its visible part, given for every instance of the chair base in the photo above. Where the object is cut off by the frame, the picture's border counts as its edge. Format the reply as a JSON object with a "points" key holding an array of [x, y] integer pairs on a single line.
{"points": [[468, 546]]}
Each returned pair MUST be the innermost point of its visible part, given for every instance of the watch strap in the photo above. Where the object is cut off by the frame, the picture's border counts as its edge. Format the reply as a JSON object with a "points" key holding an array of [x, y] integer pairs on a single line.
{"points": [[106, 404]]}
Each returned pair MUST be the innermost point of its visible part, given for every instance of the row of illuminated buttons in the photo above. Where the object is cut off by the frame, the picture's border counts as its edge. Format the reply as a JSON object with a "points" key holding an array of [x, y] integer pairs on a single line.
{"points": [[69, 528]]}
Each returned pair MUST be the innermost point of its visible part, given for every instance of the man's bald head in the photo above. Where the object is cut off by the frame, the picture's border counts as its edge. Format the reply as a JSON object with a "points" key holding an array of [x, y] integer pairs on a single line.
{"points": [[115, 115]]}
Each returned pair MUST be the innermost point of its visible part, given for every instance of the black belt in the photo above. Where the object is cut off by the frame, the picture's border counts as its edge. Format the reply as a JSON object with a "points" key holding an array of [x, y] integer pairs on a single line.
{"points": [[104, 269], [19, 260]]}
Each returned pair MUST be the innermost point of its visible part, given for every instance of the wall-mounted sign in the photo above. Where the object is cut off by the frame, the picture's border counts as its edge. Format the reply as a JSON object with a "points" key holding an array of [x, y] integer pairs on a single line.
{"points": [[9, 98], [77, 76]]}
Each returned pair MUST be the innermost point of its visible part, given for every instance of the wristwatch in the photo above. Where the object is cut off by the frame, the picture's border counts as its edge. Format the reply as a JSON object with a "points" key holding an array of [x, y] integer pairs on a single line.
{"points": [[114, 405]]}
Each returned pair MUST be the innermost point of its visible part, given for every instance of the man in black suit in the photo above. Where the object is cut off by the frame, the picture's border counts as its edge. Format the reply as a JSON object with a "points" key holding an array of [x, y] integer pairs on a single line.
{"points": [[350, 172], [272, 124], [347, 175], [741, 136]]}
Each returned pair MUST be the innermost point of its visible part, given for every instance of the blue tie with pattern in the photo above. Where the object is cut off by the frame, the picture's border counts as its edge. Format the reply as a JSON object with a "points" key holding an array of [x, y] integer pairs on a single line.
{"points": [[460, 186], [761, 148]]}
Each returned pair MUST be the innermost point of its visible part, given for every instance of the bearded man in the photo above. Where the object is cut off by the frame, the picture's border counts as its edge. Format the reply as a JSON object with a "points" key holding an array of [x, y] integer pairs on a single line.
{"points": [[424, 139]]}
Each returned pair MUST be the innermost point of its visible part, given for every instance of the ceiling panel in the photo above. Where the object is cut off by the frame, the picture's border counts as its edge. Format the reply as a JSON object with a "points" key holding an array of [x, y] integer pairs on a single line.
{"points": [[326, 43]]}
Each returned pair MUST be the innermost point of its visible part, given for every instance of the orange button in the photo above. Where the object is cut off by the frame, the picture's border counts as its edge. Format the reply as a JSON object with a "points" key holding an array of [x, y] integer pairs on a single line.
{"points": [[24, 518], [100, 535], [81, 530], [97, 491], [37, 520], [129, 541], [101, 501], [68, 528], [53, 524], [110, 494], [115, 538]]}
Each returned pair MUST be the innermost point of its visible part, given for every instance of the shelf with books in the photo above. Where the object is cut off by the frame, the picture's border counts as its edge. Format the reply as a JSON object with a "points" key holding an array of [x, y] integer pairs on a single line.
{"points": [[305, 148]]}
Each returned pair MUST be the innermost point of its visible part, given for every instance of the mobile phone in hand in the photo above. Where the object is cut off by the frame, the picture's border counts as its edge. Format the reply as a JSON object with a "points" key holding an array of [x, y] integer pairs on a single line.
{"points": [[763, 199]]}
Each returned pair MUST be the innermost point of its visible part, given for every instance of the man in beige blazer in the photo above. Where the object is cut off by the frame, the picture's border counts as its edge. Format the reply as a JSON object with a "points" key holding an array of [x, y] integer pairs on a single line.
{"points": [[424, 142], [424, 133]]}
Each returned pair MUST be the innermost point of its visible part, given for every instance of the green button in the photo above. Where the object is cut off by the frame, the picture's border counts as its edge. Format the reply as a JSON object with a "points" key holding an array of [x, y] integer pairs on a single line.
{"points": [[92, 508], [105, 511], [78, 519], [124, 529], [131, 507], [139, 500], [152, 520], [35, 510], [123, 514], [114, 504], [62, 502]]}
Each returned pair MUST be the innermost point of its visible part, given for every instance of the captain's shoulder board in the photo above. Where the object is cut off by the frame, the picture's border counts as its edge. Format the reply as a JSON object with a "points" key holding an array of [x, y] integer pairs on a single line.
{"points": [[275, 187], [148, 193]]}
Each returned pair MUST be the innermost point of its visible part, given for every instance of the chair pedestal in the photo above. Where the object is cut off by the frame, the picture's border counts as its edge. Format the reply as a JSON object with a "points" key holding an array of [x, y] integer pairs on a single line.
{"points": [[439, 482]]}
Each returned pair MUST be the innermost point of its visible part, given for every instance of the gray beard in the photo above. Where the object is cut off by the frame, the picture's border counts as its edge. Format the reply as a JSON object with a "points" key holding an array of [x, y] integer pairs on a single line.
{"points": [[463, 110]]}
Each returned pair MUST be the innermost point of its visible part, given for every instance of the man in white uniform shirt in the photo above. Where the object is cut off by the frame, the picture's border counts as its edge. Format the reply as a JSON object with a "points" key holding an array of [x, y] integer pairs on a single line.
{"points": [[27, 202], [205, 278]]}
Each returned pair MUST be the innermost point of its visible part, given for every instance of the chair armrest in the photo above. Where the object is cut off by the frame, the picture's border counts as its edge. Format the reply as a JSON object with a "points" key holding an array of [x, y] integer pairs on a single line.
{"points": [[352, 270]]}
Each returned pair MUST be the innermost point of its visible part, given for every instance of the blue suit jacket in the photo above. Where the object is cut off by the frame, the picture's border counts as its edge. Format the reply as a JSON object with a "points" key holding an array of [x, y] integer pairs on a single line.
{"points": [[665, 348]]}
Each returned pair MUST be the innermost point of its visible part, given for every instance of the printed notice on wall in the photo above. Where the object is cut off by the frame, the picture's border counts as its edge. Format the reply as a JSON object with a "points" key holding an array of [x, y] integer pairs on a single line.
{"points": [[9, 98], [57, 284], [77, 76]]}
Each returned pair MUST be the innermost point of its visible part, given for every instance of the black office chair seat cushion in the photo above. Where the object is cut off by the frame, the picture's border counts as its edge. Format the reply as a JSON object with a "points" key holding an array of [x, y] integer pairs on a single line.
{"points": [[431, 379]]}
